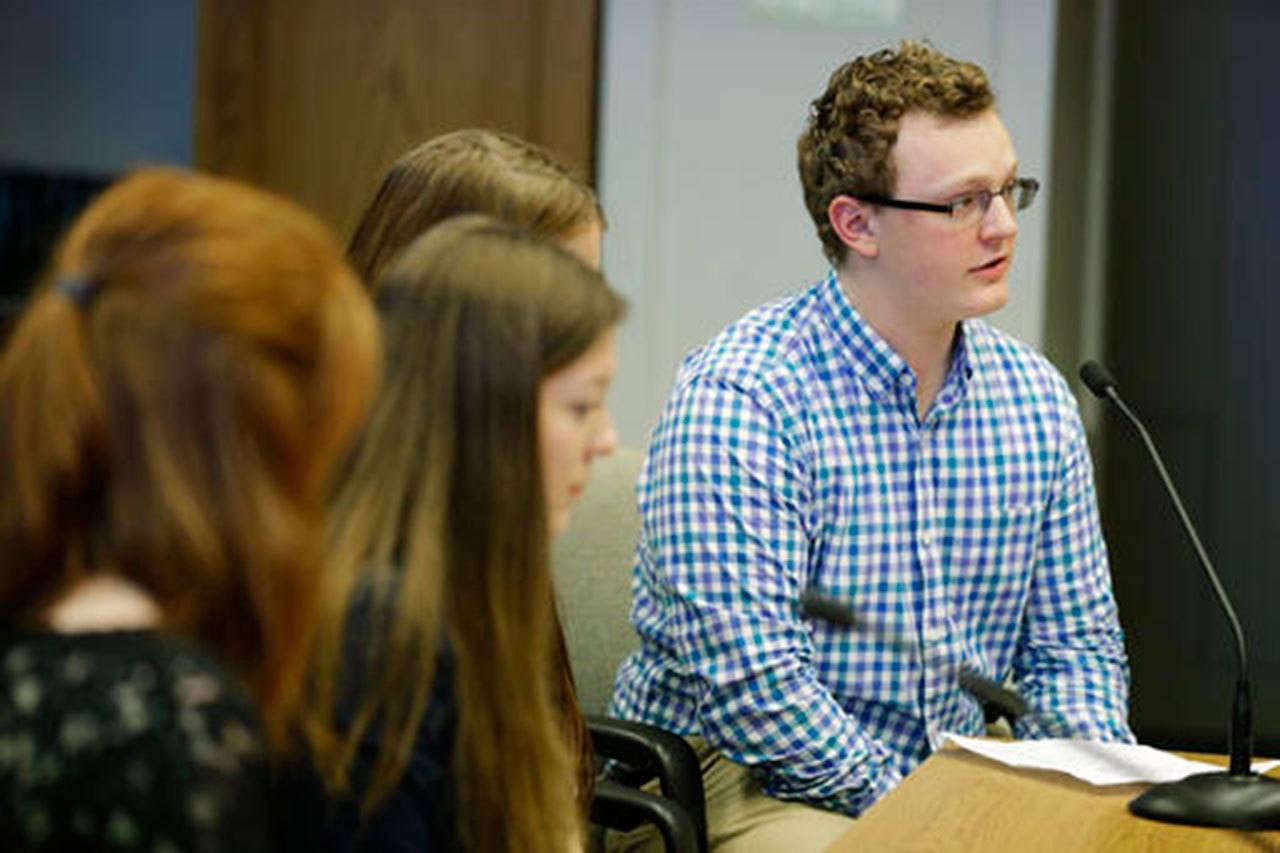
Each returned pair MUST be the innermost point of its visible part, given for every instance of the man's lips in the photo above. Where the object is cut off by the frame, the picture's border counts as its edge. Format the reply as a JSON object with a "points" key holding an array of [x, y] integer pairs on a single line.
{"points": [[993, 268]]}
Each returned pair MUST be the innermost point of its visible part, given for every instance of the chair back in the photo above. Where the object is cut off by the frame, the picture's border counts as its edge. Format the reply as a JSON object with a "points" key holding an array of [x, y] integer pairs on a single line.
{"points": [[592, 563]]}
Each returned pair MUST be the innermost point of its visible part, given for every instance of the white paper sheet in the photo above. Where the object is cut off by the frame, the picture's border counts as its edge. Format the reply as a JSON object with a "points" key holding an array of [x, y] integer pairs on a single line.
{"points": [[1094, 762]]}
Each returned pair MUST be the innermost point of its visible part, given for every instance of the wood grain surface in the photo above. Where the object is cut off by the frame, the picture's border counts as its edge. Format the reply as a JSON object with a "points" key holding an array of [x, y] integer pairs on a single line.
{"points": [[315, 98], [958, 801]]}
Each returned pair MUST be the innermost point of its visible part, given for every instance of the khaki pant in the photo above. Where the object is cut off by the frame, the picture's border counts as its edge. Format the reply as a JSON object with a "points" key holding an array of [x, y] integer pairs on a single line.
{"points": [[742, 819]]}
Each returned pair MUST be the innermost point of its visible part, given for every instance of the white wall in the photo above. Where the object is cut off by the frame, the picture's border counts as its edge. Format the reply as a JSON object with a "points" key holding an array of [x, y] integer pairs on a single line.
{"points": [[702, 101]]}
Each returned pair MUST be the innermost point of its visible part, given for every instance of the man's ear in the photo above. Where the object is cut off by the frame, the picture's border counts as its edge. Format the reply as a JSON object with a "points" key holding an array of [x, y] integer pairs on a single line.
{"points": [[855, 224]]}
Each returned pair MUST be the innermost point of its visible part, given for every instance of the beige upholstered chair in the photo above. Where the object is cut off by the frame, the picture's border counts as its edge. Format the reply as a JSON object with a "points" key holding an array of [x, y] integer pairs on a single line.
{"points": [[593, 576], [592, 562]]}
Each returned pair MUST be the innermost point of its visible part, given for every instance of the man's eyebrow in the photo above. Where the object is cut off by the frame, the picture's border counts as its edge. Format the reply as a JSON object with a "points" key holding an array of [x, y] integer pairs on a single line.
{"points": [[975, 181]]}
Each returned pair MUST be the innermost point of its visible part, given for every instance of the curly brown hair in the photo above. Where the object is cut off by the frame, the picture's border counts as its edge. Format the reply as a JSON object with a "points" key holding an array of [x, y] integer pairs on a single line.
{"points": [[848, 140]]}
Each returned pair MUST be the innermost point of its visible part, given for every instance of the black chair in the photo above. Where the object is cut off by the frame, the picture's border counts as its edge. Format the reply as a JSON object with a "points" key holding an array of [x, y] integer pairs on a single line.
{"points": [[637, 754]]}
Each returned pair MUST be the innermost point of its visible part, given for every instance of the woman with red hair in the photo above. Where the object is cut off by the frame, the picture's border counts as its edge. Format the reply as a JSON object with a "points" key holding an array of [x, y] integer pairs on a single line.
{"points": [[174, 398]]}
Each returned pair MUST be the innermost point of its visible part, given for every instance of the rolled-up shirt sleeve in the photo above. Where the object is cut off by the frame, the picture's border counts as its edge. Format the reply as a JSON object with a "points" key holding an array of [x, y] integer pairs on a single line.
{"points": [[728, 523], [1070, 661]]}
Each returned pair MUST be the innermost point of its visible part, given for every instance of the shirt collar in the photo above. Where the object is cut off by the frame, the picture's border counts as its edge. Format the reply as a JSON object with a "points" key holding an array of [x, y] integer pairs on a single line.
{"points": [[878, 365], [960, 372]]}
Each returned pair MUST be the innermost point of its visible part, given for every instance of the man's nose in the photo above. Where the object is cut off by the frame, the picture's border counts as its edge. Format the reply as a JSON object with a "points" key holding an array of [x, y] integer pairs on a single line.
{"points": [[1000, 220]]}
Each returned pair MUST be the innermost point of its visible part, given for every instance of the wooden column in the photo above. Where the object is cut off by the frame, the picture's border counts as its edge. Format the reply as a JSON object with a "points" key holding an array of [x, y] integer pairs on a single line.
{"points": [[315, 98]]}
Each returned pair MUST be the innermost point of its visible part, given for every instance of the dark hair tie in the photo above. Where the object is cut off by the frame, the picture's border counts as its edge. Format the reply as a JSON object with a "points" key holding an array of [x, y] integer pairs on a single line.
{"points": [[79, 289]]}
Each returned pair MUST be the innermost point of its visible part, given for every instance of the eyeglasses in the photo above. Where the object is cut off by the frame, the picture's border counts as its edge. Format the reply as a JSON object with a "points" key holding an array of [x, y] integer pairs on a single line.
{"points": [[1017, 194]]}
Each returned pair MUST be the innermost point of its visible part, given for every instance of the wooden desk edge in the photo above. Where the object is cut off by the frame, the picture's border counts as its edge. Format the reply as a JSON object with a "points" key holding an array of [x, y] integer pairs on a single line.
{"points": [[959, 800]]}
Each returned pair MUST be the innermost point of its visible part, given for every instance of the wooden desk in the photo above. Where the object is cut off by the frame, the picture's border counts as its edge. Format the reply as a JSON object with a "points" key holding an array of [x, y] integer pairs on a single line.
{"points": [[957, 801]]}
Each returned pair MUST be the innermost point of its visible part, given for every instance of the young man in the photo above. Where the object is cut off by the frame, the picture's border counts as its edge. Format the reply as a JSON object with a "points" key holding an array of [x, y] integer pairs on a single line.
{"points": [[872, 440]]}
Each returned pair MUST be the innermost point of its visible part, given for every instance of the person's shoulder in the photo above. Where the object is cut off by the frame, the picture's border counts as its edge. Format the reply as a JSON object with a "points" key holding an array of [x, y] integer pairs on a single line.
{"points": [[180, 688], [1011, 367], [146, 728], [185, 683], [167, 659], [766, 349], [147, 656]]}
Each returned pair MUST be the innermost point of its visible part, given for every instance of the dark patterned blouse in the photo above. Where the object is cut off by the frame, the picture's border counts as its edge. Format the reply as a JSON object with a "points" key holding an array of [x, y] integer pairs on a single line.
{"points": [[126, 740]]}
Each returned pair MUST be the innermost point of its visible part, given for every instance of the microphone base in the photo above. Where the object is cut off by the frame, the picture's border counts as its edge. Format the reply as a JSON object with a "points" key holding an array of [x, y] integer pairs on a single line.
{"points": [[1245, 801]]}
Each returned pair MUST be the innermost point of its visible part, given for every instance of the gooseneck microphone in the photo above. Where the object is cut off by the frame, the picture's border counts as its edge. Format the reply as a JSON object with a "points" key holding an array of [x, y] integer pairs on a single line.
{"points": [[825, 608], [1238, 798]]}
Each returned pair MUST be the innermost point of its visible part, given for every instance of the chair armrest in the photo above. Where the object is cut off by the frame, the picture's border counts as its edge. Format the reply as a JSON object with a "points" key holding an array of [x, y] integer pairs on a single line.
{"points": [[616, 805], [666, 755]]}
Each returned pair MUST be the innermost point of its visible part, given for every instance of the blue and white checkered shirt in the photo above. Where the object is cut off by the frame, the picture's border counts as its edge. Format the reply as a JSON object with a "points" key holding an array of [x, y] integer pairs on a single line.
{"points": [[790, 457]]}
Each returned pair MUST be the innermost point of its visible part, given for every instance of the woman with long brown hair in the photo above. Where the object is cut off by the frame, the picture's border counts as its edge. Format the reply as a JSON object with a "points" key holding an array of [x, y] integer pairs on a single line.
{"points": [[174, 398], [476, 171], [500, 350]]}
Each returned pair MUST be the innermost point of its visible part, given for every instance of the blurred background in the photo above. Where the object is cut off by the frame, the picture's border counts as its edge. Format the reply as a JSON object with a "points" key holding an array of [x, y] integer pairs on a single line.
{"points": [[1151, 123]]}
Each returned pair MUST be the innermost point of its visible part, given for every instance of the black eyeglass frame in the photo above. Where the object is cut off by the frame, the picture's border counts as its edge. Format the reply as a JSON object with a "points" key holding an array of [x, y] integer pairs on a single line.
{"points": [[1029, 187]]}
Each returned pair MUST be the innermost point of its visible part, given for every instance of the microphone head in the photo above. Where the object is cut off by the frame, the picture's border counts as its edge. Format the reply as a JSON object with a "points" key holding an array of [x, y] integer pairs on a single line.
{"points": [[1008, 702], [1097, 377], [824, 608]]}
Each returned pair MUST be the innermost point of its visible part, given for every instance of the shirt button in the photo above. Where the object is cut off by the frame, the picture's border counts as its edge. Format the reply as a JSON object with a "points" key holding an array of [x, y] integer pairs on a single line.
{"points": [[926, 538]]}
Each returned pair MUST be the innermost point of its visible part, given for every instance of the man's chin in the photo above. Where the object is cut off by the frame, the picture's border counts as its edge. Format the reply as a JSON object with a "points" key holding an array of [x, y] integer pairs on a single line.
{"points": [[989, 300]]}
